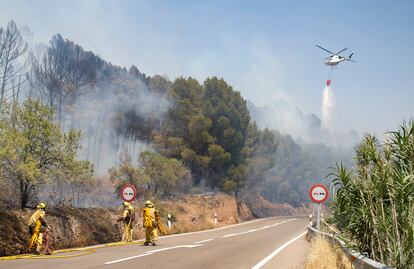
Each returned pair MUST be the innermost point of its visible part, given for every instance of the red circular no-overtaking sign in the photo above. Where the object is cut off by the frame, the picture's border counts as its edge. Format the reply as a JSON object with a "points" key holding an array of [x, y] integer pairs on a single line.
{"points": [[318, 193], [128, 192]]}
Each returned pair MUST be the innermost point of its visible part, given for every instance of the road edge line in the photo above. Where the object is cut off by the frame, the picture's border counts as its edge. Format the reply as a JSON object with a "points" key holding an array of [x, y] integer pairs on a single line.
{"points": [[128, 258], [278, 250], [204, 241]]}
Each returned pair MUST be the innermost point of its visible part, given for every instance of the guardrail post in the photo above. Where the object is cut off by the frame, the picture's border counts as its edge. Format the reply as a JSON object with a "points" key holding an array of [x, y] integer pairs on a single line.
{"points": [[169, 221]]}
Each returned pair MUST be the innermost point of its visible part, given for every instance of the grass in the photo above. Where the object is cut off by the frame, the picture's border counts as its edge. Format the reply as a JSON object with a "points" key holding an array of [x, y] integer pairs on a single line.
{"points": [[323, 255], [185, 225]]}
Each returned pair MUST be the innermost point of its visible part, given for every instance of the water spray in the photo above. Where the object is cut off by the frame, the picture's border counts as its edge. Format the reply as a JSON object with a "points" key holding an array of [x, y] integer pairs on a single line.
{"points": [[328, 101]]}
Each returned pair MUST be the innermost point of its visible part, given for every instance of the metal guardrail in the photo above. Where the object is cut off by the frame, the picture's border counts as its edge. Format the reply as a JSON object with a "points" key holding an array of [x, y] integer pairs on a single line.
{"points": [[357, 259]]}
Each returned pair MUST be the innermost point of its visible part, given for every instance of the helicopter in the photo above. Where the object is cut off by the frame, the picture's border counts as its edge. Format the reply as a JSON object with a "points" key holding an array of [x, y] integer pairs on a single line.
{"points": [[335, 58]]}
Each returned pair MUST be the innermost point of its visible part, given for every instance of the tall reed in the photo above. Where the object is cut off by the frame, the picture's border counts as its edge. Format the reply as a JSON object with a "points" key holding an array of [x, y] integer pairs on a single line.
{"points": [[374, 206]]}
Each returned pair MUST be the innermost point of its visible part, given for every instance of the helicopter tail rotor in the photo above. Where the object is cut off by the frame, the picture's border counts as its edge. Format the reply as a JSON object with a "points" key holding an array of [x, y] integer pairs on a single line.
{"points": [[349, 58]]}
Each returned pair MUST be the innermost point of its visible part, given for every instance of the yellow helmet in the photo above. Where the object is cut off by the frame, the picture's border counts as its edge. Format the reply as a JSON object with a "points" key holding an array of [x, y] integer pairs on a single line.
{"points": [[148, 203], [41, 206], [125, 204]]}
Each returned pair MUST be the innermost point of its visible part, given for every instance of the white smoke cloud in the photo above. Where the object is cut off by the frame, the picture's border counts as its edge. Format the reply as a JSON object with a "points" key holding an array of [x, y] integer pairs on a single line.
{"points": [[290, 120], [100, 113], [287, 119]]}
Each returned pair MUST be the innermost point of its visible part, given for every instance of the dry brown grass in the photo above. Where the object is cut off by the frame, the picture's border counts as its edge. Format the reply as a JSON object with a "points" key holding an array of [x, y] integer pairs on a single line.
{"points": [[323, 255], [185, 226]]}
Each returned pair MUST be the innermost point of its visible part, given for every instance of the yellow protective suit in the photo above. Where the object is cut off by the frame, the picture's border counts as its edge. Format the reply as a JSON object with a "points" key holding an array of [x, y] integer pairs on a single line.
{"points": [[35, 222], [150, 225], [127, 218]]}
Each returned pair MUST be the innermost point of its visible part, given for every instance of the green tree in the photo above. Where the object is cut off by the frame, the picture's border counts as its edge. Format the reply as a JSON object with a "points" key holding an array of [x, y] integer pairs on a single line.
{"points": [[185, 132], [230, 122], [164, 175], [155, 175], [208, 129], [80, 177], [32, 147], [127, 172]]}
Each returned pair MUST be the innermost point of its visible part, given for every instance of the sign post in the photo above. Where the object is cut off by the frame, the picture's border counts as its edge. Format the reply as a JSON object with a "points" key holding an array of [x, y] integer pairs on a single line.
{"points": [[318, 194], [128, 192]]}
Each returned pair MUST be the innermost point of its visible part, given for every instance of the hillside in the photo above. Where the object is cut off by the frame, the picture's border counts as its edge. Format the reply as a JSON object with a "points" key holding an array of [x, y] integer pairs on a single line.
{"points": [[165, 136]]}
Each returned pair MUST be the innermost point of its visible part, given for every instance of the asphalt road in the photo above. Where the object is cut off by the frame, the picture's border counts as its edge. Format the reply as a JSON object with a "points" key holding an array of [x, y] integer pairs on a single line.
{"points": [[263, 243]]}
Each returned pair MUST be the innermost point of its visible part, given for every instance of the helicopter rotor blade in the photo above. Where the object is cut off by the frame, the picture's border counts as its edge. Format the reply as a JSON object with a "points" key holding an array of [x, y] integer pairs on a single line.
{"points": [[342, 51], [324, 49]]}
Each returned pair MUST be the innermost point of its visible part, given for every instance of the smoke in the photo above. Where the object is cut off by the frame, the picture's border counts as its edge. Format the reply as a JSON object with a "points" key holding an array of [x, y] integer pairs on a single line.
{"points": [[112, 115], [308, 128], [328, 102], [287, 119], [104, 115]]}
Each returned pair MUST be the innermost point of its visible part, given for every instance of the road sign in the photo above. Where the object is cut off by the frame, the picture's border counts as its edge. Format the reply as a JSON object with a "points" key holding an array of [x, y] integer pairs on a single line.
{"points": [[318, 193], [128, 192]]}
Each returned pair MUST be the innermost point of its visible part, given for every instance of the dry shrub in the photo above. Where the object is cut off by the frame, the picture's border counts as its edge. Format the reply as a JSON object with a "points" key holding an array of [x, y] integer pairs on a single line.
{"points": [[185, 225], [138, 233], [323, 255]]}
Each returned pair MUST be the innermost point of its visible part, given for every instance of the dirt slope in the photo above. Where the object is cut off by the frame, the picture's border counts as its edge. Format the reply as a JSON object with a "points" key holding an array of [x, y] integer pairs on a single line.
{"points": [[75, 227]]}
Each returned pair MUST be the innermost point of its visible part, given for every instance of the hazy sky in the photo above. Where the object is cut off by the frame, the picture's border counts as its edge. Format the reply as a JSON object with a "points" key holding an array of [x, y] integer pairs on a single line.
{"points": [[265, 49]]}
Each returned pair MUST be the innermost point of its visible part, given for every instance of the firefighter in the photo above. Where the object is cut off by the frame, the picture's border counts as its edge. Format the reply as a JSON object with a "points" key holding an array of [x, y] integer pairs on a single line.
{"points": [[128, 217], [37, 225], [152, 222]]}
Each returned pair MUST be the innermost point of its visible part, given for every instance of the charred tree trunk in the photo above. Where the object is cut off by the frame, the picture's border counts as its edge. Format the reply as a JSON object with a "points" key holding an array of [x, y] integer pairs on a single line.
{"points": [[24, 194]]}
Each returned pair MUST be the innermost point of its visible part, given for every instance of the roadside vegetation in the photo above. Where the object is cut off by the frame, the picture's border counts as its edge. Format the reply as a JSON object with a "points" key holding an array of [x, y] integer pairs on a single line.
{"points": [[323, 255], [374, 207], [156, 175], [34, 151]]}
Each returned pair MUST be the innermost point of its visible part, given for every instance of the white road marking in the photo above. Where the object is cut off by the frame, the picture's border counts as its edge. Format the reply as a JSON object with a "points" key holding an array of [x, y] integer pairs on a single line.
{"points": [[228, 235], [151, 252], [129, 258], [162, 249], [189, 233], [197, 244], [219, 228], [274, 253], [204, 241], [255, 230]]}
